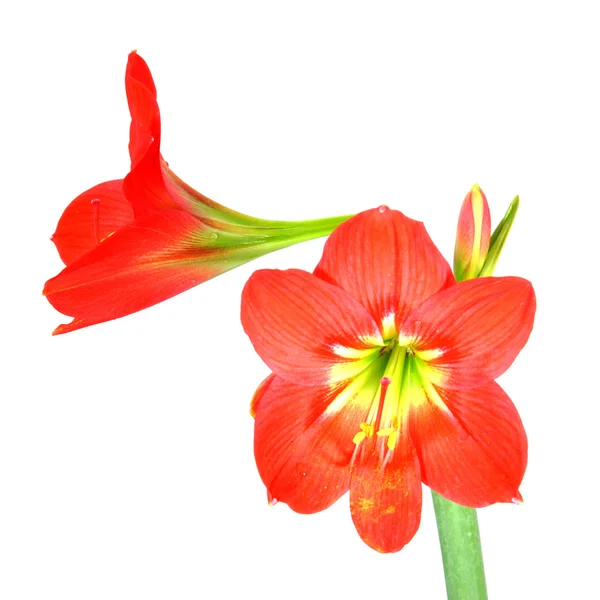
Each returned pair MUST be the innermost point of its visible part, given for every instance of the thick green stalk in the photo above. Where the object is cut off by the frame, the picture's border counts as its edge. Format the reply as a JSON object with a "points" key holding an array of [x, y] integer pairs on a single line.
{"points": [[461, 550]]}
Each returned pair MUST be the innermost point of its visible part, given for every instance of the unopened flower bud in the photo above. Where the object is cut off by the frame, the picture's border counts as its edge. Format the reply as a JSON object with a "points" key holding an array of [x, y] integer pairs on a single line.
{"points": [[472, 235]]}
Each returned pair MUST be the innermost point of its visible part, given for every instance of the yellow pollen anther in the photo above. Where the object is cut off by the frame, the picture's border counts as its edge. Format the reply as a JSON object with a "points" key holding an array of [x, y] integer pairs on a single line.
{"points": [[366, 431], [386, 431], [392, 436], [391, 432]]}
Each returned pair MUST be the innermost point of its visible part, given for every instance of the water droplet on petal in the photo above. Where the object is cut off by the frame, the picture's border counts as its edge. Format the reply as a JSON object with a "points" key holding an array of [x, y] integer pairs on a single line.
{"points": [[95, 201], [271, 499], [383, 208], [213, 236], [518, 500]]}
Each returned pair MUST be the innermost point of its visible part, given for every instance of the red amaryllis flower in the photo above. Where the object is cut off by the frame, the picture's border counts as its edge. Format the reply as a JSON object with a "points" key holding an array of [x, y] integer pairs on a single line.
{"points": [[129, 244], [383, 378]]}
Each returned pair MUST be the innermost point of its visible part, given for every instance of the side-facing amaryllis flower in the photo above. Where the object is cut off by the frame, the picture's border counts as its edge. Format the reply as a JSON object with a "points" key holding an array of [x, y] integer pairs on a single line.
{"points": [[383, 378], [129, 244]]}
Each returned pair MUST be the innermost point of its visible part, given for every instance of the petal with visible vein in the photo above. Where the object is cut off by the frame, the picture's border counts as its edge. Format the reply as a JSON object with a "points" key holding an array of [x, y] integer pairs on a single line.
{"points": [[472, 445], [142, 264], [473, 330], [387, 262], [307, 330], [302, 449], [386, 494]]}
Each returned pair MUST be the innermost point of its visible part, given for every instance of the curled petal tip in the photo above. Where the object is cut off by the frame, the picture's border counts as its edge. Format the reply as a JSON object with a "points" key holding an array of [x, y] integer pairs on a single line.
{"points": [[67, 327], [271, 499], [518, 499]]}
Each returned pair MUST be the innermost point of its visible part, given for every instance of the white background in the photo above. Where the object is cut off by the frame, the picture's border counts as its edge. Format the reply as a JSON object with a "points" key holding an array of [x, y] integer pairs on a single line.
{"points": [[126, 467]]}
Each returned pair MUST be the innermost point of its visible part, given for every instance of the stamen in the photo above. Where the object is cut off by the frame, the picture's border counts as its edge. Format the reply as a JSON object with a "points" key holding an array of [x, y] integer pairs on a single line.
{"points": [[95, 202], [366, 431], [391, 432]]}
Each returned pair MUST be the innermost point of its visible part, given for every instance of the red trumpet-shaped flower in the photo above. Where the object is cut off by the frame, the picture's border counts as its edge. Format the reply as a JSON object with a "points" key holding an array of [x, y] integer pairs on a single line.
{"points": [[383, 378], [129, 244]]}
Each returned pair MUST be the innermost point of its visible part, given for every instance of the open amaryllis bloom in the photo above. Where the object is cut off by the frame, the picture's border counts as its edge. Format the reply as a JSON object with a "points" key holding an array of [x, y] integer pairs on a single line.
{"points": [[129, 244], [383, 378]]}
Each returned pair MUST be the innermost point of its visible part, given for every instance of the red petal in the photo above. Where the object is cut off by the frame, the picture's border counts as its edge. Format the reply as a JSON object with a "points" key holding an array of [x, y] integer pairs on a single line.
{"points": [[302, 452], [478, 327], [143, 107], [474, 452], [305, 329], [141, 265], [385, 495], [150, 185], [386, 261], [90, 218], [144, 186]]}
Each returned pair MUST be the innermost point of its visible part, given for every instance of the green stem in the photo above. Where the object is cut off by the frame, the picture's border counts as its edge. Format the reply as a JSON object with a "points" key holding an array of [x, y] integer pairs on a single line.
{"points": [[314, 228], [461, 550], [243, 244], [262, 230], [278, 239]]}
